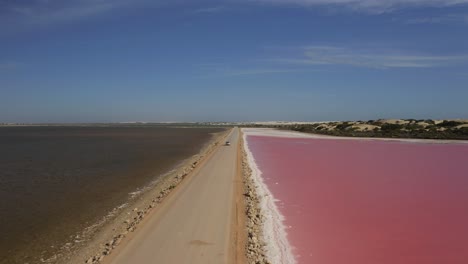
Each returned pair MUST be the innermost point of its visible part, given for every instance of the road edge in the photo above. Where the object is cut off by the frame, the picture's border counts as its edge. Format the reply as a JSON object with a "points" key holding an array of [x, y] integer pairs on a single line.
{"points": [[238, 227], [255, 251]]}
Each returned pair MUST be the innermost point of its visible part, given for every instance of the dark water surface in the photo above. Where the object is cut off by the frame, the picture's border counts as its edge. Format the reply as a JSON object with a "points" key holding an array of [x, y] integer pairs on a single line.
{"points": [[54, 181]]}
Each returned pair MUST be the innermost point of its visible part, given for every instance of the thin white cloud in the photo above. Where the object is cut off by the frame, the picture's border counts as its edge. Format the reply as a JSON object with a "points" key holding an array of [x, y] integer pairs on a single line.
{"points": [[331, 55], [210, 70], [50, 11], [441, 19], [41, 12], [71, 13], [259, 71], [210, 10], [379, 6]]}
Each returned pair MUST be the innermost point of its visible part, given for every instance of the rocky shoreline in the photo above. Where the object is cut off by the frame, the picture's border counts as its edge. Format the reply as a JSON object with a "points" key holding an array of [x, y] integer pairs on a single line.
{"points": [[255, 246], [102, 241]]}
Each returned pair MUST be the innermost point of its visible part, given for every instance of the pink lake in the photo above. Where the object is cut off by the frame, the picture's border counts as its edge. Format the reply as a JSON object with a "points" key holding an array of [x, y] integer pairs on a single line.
{"points": [[368, 202]]}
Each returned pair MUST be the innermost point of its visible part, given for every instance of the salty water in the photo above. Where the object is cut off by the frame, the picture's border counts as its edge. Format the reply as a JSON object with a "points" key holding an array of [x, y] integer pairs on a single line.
{"points": [[55, 181], [368, 201]]}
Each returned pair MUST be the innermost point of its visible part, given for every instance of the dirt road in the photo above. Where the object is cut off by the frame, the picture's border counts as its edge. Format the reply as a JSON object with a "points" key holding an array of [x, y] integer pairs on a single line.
{"points": [[194, 223]]}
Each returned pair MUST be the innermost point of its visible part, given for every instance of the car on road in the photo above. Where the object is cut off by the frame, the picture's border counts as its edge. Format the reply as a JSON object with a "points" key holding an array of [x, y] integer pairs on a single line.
{"points": [[227, 143]]}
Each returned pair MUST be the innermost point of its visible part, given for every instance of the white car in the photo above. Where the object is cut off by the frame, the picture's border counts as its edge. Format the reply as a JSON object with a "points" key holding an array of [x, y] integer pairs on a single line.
{"points": [[227, 143]]}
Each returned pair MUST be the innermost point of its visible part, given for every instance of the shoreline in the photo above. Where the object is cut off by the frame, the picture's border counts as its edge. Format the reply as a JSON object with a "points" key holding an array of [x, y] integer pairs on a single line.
{"points": [[274, 132], [374, 178], [99, 239], [267, 242]]}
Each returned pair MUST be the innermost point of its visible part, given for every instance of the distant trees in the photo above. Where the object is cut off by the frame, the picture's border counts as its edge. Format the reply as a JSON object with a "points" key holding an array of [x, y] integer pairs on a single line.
{"points": [[390, 127], [343, 126], [449, 124]]}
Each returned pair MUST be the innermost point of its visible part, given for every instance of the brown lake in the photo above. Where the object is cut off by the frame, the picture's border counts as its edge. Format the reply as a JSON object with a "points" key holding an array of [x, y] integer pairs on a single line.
{"points": [[55, 181]]}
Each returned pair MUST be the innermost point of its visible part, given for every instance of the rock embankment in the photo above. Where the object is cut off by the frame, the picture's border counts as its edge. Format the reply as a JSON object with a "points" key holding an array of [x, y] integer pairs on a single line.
{"points": [[255, 246]]}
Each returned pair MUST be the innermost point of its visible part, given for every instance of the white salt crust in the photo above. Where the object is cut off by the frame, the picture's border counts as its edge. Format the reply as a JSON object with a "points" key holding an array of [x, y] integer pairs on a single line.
{"points": [[278, 249], [271, 132]]}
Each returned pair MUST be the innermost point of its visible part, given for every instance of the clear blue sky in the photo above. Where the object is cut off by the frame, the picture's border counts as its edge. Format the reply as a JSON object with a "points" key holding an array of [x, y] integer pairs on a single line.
{"points": [[243, 60]]}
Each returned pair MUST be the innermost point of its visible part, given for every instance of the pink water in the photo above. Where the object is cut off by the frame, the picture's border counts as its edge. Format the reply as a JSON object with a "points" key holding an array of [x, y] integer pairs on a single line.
{"points": [[369, 202]]}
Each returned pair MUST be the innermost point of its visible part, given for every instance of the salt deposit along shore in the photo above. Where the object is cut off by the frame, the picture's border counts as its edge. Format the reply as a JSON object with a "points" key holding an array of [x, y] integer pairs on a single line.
{"points": [[267, 223], [293, 134], [354, 201]]}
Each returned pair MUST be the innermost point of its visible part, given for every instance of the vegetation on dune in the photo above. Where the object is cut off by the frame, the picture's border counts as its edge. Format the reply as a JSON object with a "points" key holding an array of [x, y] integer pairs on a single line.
{"points": [[405, 128]]}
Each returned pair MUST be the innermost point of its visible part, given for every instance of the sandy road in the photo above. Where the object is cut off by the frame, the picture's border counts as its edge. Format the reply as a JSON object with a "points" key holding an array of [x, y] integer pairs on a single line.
{"points": [[194, 223]]}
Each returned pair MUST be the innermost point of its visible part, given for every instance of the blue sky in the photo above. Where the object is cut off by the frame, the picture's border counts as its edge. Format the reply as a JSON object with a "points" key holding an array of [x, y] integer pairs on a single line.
{"points": [[244, 60]]}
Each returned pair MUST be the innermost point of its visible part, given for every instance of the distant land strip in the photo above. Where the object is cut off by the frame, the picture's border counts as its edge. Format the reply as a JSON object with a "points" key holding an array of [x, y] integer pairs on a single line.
{"points": [[456, 129], [449, 129], [384, 128]]}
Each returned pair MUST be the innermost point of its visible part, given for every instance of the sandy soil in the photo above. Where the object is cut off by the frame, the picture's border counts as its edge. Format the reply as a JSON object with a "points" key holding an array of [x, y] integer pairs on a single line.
{"points": [[239, 228], [394, 121]]}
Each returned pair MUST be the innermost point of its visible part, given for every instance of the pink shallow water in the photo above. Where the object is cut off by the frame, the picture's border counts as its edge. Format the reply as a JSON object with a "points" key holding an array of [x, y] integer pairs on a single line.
{"points": [[369, 202]]}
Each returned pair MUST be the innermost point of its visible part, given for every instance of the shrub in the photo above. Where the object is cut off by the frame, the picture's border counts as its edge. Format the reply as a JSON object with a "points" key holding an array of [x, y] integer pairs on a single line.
{"points": [[391, 127], [449, 124], [343, 126]]}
